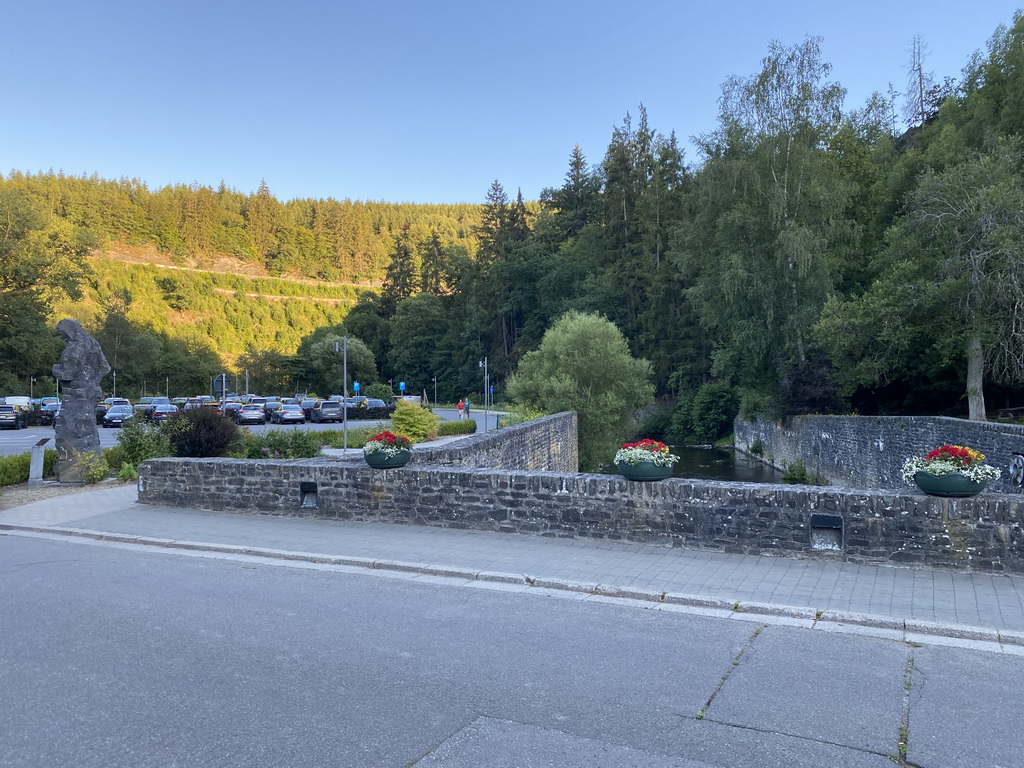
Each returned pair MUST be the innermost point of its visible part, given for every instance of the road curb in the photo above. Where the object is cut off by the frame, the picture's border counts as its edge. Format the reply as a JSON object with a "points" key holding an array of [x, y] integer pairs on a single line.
{"points": [[737, 608]]}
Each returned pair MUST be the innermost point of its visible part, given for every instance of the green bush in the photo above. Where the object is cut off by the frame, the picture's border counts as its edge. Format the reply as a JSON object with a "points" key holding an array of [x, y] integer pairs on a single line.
{"points": [[283, 444], [357, 438], [713, 410], [94, 467], [680, 425], [656, 422], [128, 473], [114, 457], [14, 469], [140, 440], [202, 433], [449, 428], [379, 391], [418, 424], [796, 474]]}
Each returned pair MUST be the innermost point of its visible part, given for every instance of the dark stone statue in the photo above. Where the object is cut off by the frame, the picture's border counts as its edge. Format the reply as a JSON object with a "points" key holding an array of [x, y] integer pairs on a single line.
{"points": [[81, 367]]}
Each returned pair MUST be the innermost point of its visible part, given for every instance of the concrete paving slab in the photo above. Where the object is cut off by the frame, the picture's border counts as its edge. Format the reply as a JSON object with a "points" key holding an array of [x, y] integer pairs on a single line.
{"points": [[784, 683], [503, 744], [966, 709], [726, 745]]}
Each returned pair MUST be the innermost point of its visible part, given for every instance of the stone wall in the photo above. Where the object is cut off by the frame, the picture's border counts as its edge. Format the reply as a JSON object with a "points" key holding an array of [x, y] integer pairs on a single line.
{"points": [[868, 451], [548, 444], [450, 487], [980, 533]]}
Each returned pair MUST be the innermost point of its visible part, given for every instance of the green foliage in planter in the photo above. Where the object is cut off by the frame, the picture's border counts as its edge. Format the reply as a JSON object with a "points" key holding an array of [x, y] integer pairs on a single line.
{"points": [[283, 444], [418, 424], [201, 433], [449, 428]]}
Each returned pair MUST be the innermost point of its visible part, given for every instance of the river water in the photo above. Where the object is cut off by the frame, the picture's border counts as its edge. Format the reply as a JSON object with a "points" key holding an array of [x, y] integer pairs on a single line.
{"points": [[722, 464]]}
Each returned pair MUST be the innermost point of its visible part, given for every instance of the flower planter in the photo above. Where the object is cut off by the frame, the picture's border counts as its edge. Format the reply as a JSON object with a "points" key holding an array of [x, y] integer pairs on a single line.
{"points": [[953, 485], [644, 471], [381, 460]]}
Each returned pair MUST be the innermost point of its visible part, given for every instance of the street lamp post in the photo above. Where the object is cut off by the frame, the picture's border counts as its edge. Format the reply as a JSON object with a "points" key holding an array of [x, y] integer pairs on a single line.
{"points": [[483, 364], [435, 391], [31, 381], [344, 388], [114, 394]]}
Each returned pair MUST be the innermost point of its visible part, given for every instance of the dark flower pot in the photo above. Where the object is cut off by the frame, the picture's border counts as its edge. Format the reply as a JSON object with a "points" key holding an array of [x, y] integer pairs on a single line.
{"points": [[644, 471], [383, 461], [954, 485]]}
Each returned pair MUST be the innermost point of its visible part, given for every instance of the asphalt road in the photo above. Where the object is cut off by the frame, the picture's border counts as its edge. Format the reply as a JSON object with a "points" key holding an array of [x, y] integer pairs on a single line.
{"points": [[13, 442], [113, 656]]}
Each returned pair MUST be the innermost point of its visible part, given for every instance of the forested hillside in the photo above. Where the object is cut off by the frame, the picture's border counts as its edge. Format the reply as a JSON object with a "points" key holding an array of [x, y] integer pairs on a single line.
{"points": [[815, 257]]}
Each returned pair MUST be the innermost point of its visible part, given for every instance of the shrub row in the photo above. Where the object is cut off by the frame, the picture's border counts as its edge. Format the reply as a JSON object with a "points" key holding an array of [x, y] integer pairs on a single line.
{"points": [[14, 469], [449, 428]]}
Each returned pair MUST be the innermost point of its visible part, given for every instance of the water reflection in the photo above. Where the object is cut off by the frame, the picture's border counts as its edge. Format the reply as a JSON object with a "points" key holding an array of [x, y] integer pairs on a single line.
{"points": [[722, 464]]}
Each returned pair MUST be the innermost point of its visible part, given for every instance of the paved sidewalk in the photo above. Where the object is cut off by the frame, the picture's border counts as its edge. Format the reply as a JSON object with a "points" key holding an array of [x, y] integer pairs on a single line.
{"points": [[901, 603]]}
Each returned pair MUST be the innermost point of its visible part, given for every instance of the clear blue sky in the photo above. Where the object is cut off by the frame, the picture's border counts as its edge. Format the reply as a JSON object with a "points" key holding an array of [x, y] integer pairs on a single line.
{"points": [[412, 100]]}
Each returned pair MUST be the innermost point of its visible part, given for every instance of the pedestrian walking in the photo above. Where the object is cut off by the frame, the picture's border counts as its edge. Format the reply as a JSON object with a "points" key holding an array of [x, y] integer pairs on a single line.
{"points": [[462, 410], [467, 408]]}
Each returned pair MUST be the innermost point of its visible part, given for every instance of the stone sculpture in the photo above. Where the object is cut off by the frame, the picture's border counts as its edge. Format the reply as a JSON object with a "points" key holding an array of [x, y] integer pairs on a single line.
{"points": [[81, 367]]}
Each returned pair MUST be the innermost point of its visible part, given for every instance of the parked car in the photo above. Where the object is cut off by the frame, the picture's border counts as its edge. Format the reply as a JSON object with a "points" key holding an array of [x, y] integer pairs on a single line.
{"points": [[229, 409], [117, 415], [327, 410], [48, 413], [307, 407], [373, 402], [162, 412], [288, 414], [13, 417], [270, 407], [251, 413]]}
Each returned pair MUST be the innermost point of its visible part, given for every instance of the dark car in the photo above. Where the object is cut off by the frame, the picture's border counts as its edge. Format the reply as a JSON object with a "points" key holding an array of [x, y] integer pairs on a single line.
{"points": [[373, 402], [327, 410], [229, 409], [162, 412], [306, 405], [288, 414], [12, 417], [117, 415], [143, 409], [251, 413], [48, 413]]}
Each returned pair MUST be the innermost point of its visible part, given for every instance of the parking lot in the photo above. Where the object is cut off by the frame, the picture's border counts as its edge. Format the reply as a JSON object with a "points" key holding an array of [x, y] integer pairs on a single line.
{"points": [[13, 442]]}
